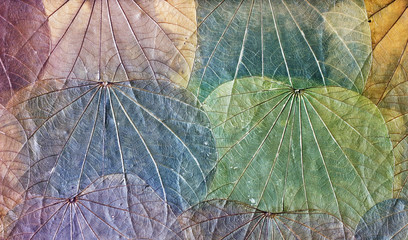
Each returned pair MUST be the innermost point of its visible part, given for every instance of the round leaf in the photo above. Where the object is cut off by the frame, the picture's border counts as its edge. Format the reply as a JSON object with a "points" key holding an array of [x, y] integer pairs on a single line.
{"points": [[302, 43], [221, 219], [121, 40], [111, 207], [284, 149], [81, 130]]}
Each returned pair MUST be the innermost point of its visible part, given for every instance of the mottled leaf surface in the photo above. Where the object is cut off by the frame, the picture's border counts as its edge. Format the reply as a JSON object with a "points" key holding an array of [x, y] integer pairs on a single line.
{"points": [[81, 130], [386, 220], [221, 219], [284, 149], [307, 43], [111, 207], [387, 84], [121, 40], [24, 44], [12, 140]]}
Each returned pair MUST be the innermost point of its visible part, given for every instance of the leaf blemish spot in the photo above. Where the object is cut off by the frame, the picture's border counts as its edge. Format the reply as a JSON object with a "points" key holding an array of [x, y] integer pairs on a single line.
{"points": [[73, 200], [297, 91], [104, 84]]}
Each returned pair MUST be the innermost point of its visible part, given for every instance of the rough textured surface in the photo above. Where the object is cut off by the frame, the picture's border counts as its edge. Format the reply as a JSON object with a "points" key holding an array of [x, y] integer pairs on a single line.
{"points": [[109, 208], [282, 149], [79, 131], [307, 43], [387, 85], [221, 219]]}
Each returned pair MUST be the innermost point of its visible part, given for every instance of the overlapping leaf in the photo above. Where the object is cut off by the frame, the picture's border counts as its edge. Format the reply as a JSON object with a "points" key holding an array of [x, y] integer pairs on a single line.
{"points": [[12, 140], [387, 84], [308, 43], [221, 219], [24, 44], [121, 40], [282, 149], [82, 130], [112, 207], [386, 220]]}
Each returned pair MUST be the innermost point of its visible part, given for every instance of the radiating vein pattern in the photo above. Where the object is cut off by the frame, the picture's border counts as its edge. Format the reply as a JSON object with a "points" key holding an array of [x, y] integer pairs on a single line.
{"points": [[121, 40], [109, 208], [284, 149], [80, 131], [221, 219], [303, 43]]}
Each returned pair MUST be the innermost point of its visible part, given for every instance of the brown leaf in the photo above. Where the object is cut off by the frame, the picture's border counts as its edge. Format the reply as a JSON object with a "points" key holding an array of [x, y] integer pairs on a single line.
{"points": [[387, 85], [121, 40], [12, 139]]}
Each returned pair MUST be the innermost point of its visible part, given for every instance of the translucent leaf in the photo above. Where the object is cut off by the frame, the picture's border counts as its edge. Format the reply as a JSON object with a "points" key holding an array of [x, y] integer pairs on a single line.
{"points": [[24, 44], [82, 130], [121, 40], [386, 220], [387, 85], [300, 42], [12, 140], [112, 207], [284, 149], [220, 219]]}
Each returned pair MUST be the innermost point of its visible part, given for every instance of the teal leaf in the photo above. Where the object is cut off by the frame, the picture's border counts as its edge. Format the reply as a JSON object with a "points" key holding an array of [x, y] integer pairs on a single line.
{"points": [[386, 220], [302, 43], [285, 149]]}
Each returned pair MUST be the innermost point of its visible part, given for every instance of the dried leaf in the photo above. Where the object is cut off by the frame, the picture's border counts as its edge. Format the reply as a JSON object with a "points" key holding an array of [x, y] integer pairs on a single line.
{"points": [[24, 44], [119, 41], [303, 43], [112, 207], [283, 149], [387, 85], [82, 130], [221, 219]]}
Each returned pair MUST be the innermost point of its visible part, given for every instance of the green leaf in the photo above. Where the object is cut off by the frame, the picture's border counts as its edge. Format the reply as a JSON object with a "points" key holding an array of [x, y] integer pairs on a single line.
{"points": [[109, 208], [284, 149], [386, 220], [221, 219], [81, 130], [302, 43]]}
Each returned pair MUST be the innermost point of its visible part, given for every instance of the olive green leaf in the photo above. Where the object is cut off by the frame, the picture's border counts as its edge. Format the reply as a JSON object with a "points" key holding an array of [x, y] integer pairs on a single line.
{"points": [[306, 43], [386, 220], [284, 149]]}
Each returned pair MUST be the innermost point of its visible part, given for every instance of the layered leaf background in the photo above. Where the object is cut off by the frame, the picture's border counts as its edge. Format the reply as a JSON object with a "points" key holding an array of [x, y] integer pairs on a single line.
{"points": [[203, 119]]}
